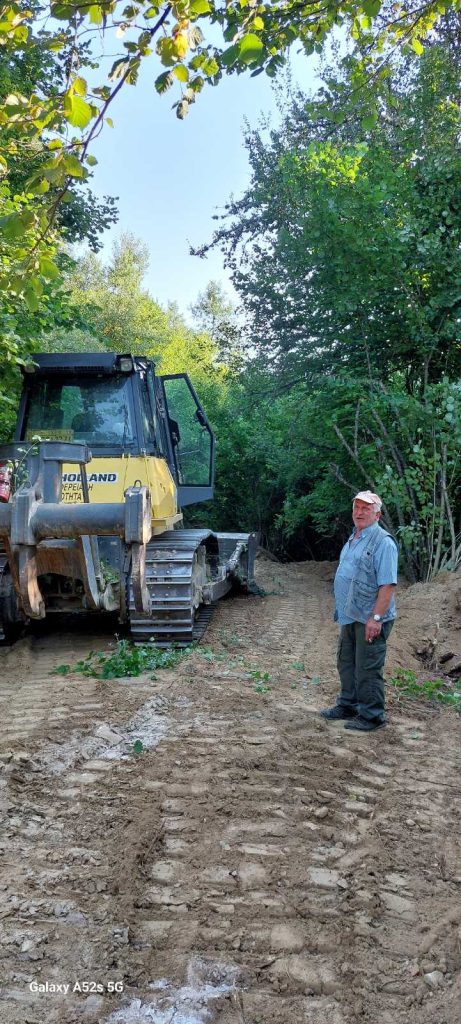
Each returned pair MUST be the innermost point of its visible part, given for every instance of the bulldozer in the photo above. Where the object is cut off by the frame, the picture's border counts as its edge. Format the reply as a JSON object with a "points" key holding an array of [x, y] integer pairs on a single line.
{"points": [[106, 455]]}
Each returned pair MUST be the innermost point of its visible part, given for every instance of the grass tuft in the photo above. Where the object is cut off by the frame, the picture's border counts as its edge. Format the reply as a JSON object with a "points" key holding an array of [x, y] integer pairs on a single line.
{"points": [[405, 681]]}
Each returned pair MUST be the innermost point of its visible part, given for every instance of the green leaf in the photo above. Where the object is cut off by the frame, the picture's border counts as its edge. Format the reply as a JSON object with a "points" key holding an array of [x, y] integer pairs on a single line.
{"points": [[40, 188], [56, 45], [195, 85], [181, 73], [167, 52], [16, 224], [210, 67], [48, 269], [250, 48], [198, 7], [132, 76], [21, 34], [118, 68], [62, 12], [80, 87], [164, 82], [417, 46], [138, 747], [95, 15], [72, 166], [369, 122], [76, 111], [91, 160], [230, 55], [371, 7], [53, 172], [32, 299]]}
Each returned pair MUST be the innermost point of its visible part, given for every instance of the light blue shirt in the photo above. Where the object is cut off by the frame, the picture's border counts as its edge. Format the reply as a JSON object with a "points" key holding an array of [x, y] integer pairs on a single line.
{"points": [[384, 563]]}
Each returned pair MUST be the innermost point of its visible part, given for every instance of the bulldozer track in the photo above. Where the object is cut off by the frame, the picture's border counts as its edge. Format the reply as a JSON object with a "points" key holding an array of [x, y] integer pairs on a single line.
{"points": [[170, 564]]}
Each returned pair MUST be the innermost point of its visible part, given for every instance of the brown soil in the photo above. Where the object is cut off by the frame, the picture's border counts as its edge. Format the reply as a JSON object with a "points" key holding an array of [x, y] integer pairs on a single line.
{"points": [[253, 865]]}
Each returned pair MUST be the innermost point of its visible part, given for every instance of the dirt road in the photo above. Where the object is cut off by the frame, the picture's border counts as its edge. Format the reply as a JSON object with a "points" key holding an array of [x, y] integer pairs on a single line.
{"points": [[253, 865]]}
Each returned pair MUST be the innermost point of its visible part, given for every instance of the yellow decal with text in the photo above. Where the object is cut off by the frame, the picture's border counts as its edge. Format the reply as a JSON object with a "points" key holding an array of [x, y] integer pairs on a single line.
{"points": [[108, 479]]}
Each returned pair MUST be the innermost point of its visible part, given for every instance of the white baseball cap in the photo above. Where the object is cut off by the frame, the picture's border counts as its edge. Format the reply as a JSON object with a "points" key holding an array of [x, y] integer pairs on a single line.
{"points": [[368, 496]]}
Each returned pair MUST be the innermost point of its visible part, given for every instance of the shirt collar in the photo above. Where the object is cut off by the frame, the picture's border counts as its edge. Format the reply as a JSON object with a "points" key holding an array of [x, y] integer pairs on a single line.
{"points": [[363, 533]]}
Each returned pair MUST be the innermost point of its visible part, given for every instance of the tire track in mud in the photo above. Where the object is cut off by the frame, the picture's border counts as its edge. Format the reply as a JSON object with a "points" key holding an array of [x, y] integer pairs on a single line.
{"points": [[304, 888], [258, 865], [295, 599], [32, 699]]}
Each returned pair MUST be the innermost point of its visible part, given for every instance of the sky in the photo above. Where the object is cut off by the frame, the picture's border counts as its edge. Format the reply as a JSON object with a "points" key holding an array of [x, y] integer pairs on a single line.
{"points": [[172, 176]]}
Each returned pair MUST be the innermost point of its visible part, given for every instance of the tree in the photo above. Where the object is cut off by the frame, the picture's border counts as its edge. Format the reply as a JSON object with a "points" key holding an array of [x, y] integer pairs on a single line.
{"points": [[29, 70], [117, 313], [345, 247], [345, 252], [214, 314], [58, 121]]}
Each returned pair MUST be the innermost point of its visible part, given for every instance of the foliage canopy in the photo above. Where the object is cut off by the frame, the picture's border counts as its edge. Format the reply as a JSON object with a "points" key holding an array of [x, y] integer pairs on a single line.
{"points": [[51, 115]]}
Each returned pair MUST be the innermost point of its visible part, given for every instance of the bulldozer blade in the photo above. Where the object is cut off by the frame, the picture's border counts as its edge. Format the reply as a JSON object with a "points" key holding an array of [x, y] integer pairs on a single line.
{"points": [[237, 551]]}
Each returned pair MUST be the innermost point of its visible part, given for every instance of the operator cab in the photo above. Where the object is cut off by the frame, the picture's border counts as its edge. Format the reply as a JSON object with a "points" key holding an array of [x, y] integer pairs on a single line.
{"points": [[91, 409], [118, 406]]}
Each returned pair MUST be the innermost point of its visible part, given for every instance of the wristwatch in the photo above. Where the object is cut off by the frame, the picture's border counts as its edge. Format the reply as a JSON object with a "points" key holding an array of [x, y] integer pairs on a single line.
{"points": [[378, 618]]}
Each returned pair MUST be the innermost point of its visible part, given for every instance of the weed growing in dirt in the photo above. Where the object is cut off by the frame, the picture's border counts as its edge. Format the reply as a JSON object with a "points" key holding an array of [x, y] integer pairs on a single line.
{"points": [[206, 653], [261, 681], [230, 639], [406, 682], [298, 665], [127, 660], [260, 677]]}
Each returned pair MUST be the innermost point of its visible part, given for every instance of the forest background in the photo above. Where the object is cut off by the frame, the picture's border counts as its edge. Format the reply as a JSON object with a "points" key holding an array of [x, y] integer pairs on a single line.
{"points": [[340, 369]]}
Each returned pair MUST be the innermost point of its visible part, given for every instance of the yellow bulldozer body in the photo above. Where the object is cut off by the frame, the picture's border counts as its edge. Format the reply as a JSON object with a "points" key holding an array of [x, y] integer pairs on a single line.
{"points": [[109, 478]]}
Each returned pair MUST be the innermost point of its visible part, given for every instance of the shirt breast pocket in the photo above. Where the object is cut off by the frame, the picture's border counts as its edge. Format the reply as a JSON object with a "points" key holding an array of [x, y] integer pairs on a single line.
{"points": [[366, 590]]}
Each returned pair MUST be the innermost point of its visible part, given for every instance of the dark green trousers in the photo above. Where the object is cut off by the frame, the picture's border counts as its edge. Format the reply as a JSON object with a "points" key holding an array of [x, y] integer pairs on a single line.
{"points": [[360, 667]]}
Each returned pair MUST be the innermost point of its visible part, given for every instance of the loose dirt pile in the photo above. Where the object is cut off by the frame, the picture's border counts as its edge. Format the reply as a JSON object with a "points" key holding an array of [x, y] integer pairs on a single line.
{"points": [[253, 864]]}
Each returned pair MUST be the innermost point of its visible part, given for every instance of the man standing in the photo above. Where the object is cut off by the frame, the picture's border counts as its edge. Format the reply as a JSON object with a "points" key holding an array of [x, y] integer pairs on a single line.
{"points": [[364, 586]]}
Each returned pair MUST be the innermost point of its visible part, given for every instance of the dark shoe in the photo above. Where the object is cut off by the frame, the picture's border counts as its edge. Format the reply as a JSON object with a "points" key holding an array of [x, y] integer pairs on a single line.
{"points": [[338, 714], [365, 724]]}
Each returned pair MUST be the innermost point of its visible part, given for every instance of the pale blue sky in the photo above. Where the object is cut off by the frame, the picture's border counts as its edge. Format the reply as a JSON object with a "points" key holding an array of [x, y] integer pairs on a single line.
{"points": [[172, 176]]}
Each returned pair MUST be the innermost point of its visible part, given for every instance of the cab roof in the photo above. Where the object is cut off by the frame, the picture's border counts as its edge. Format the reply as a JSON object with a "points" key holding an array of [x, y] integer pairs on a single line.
{"points": [[80, 362]]}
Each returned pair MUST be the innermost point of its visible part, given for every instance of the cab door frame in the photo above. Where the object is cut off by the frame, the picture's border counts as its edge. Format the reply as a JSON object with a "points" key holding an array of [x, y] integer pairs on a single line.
{"points": [[188, 494]]}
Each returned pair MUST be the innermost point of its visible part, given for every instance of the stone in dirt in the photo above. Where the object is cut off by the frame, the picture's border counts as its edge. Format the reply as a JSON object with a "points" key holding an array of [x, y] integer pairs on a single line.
{"points": [[106, 733], [434, 980]]}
